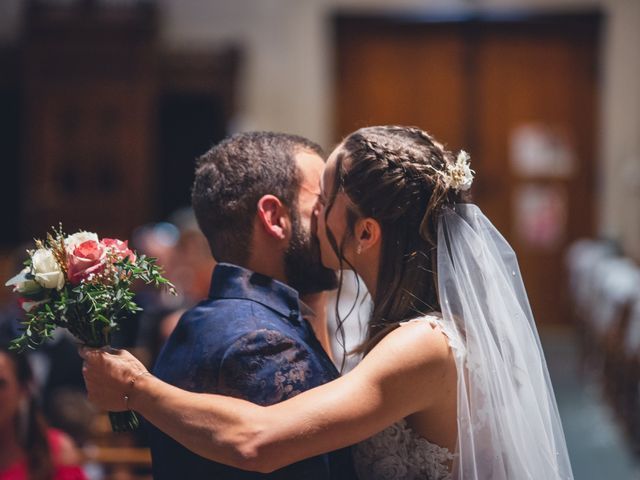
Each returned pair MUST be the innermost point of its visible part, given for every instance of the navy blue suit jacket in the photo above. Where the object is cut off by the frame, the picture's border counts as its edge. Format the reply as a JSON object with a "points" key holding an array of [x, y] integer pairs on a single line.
{"points": [[247, 340]]}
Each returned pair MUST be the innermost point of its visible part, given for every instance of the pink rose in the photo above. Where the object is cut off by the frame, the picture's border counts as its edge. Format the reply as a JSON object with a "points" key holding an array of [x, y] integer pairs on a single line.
{"points": [[119, 248], [87, 258]]}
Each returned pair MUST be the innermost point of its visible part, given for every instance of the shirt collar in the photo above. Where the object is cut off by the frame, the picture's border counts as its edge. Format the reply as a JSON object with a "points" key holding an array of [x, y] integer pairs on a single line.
{"points": [[232, 281]]}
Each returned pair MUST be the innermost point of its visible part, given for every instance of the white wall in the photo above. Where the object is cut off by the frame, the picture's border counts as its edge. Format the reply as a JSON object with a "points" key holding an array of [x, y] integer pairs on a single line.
{"points": [[287, 86]]}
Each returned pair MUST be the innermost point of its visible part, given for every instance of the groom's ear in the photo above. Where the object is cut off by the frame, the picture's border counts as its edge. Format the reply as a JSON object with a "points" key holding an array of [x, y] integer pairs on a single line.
{"points": [[274, 217]]}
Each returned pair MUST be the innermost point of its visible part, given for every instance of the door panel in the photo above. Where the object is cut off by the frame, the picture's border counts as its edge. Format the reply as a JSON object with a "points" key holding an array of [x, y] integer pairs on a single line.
{"points": [[401, 76], [519, 96], [544, 83]]}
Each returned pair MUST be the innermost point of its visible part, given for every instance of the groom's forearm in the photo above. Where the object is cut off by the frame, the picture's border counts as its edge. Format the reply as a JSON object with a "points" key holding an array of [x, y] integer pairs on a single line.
{"points": [[225, 430]]}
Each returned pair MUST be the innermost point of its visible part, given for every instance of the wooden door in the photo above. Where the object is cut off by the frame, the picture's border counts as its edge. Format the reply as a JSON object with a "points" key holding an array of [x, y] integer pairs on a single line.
{"points": [[537, 87], [519, 96], [392, 73], [89, 91]]}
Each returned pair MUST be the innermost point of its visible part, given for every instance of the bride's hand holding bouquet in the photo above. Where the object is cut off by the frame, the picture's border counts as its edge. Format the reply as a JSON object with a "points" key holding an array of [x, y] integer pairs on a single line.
{"points": [[84, 284]]}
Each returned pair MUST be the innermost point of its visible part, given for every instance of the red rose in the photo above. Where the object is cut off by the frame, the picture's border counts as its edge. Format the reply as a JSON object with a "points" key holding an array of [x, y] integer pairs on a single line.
{"points": [[88, 258], [119, 248]]}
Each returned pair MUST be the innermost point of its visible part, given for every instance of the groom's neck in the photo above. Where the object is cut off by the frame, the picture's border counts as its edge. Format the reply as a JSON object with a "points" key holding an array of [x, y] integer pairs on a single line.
{"points": [[266, 256]]}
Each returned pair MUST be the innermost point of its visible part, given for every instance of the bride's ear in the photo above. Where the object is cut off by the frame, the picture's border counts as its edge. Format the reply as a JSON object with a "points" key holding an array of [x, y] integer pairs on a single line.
{"points": [[368, 234], [273, 217]]}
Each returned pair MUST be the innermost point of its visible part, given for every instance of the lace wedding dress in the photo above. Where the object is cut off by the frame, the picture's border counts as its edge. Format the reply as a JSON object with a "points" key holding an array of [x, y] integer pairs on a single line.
{"points": [[398, 452]]}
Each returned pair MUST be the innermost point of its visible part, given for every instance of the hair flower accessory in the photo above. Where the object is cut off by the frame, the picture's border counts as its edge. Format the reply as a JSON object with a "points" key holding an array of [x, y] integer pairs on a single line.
{"points": [[459, 175]]}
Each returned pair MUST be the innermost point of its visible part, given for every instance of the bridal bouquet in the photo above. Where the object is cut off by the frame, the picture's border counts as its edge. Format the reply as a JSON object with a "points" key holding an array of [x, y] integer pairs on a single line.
{"points": [[82, 283]]}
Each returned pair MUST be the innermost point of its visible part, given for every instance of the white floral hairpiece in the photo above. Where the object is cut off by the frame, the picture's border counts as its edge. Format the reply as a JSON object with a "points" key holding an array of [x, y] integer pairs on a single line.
{"points": [[459, 175]]}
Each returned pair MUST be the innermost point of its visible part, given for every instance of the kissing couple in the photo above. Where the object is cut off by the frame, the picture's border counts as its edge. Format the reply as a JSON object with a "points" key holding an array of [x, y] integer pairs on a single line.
{"points": [[453, 383]]}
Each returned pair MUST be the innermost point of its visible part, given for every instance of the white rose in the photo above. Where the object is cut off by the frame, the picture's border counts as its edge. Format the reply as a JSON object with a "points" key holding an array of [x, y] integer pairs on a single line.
{"points": [[24, 285], [72, 241], [46, 269]]}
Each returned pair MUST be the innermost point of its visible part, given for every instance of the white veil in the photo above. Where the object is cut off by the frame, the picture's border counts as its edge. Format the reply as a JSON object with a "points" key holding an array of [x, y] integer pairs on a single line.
{"points": [[508, 422]]}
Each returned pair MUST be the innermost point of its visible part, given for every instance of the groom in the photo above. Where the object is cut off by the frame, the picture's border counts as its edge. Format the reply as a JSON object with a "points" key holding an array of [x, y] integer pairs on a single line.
{"points": [[254, 196]]}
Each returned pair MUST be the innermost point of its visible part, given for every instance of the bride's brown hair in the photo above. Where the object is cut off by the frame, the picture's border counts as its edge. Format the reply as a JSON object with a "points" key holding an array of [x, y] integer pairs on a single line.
{"points": [[392, 174]]}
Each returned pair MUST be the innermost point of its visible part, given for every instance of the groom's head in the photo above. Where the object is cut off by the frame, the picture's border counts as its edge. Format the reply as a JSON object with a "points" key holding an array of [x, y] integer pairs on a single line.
{"points": [[254, 195]]}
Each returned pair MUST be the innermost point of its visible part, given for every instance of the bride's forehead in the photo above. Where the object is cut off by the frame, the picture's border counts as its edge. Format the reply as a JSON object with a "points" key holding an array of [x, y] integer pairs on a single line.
{"points": [[326, 179], [336, 156], [335, 153]]}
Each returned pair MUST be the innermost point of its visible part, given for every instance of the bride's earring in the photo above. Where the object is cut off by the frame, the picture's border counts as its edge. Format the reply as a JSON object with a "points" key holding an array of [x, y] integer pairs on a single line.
{"points": [[359, 249]]}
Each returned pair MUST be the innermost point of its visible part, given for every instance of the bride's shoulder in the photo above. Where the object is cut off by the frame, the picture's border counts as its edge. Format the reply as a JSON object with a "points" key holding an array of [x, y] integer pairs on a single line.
{"points": [[419, 340], [432, 319], [412, 359]]}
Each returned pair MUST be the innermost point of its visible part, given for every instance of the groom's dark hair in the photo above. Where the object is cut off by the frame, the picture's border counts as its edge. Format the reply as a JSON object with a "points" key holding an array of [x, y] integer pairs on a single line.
{"points": [[233, 175]]}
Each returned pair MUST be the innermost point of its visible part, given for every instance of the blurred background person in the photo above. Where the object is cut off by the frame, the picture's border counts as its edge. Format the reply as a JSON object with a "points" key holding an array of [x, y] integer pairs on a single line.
{"points": [[29, 448], [182, 250], [55, 367]]}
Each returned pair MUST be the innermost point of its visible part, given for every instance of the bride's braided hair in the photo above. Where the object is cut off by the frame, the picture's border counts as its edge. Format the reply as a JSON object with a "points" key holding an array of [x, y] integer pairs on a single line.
{"points": [[393, 174]]}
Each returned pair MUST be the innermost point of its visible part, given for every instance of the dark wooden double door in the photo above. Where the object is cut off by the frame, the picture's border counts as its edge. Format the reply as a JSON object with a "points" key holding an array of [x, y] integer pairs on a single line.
{"points": [[519, 95]]}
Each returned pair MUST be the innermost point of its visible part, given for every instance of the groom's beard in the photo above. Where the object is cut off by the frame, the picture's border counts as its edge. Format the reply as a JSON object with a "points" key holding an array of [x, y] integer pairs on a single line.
{"points": [[302, 262]]}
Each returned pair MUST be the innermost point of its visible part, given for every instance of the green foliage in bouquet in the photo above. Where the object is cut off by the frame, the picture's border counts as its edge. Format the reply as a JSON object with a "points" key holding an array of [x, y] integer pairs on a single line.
{"points": [[91, 311], [82, 284]]}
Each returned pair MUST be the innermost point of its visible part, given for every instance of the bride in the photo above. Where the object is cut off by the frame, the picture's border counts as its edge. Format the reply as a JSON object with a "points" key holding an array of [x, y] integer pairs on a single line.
{"points": [[453, 384]]}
